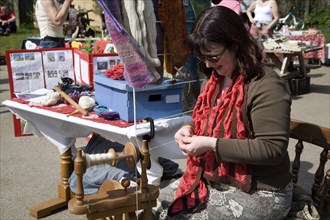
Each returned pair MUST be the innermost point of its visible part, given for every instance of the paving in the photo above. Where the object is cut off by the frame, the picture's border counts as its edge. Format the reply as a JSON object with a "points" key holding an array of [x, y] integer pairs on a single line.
{"points": [[29, 166]]}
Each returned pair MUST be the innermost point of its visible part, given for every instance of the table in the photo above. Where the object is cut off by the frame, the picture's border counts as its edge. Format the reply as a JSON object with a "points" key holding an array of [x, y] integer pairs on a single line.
{"points": [[310, 37], [62, 131], [282, 64]]}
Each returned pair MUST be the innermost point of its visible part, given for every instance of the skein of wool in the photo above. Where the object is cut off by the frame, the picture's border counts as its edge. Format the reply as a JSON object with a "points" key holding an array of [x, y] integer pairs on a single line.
{"points": [[106, 113], [137, 71], [51, 99], [140, 21]]}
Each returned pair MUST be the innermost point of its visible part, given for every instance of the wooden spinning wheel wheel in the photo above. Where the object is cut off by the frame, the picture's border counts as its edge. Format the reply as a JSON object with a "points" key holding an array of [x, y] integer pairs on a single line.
{"points": [[120, 202]]}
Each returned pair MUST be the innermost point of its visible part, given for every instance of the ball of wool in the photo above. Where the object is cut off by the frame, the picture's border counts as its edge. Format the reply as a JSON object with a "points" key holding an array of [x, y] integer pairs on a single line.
{"points": [[51, 99], [86, 102]]}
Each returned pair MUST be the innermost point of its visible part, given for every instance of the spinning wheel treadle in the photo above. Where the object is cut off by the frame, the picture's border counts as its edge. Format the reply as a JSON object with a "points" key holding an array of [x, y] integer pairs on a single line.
{"points": [[122, 202]]}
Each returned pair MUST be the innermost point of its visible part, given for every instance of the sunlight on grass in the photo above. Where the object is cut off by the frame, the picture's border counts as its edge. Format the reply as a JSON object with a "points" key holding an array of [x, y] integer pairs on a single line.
{"points": [[14, 40]]}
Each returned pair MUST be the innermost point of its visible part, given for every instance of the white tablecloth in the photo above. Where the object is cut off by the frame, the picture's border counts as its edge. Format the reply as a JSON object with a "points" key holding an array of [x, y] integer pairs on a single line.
{"points": [[62, 131]]}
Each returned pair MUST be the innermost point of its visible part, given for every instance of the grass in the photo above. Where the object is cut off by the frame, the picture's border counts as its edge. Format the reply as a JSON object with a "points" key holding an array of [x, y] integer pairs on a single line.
{"points": [[14, 40]]}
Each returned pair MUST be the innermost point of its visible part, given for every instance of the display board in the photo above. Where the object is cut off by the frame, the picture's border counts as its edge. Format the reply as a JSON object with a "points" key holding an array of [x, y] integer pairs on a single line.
{"points": [[32, 70]]}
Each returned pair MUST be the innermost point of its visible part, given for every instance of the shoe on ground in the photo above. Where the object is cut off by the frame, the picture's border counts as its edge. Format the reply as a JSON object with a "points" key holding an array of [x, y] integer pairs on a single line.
{"points": [[1, 32], [6, 33]]}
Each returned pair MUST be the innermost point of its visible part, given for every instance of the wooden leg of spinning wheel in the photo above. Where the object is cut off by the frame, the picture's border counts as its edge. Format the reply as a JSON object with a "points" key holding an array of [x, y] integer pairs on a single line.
{"points": [[147, 214], [66, 168], [130, 216], [64, 193]]}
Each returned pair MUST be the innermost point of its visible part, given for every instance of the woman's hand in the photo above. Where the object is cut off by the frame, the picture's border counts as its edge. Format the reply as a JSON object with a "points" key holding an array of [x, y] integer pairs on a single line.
{"points": [[184, 131], [197, 145]]}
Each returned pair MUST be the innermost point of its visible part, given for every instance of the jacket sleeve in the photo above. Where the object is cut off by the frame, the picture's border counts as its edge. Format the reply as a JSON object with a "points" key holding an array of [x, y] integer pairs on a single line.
{"points": [[269, 106]]}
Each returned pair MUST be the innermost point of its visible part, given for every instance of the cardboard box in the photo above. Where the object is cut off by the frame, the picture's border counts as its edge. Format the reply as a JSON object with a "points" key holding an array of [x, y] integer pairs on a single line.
{"points": [[155, 101], [300, 85]]}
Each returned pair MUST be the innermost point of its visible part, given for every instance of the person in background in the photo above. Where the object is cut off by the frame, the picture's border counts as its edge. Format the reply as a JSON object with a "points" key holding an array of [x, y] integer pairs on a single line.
{"points": [[238, 166], [7, 21], [51, 15], [245, 4], [265, 17], [232, 4], [72, 19]]}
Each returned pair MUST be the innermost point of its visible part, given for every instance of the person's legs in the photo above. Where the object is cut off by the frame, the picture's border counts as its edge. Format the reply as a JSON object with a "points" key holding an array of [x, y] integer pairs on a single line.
{"points": [[254, 31], [234, 203], [10, 28], [2, 29], [226, 202], [264, 33]]}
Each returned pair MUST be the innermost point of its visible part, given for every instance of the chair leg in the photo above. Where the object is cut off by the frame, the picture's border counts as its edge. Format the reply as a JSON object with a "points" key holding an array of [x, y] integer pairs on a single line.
{"points": [[320, 172], [296, 162], [323, 195]]}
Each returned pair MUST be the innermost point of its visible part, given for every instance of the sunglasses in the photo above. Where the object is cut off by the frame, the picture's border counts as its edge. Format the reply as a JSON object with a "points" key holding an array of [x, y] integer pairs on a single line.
{"points": [[212, 59]]}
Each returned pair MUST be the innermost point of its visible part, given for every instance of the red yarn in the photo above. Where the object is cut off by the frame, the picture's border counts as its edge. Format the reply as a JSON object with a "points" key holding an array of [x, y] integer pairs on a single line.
{"points": [[116, 72]]}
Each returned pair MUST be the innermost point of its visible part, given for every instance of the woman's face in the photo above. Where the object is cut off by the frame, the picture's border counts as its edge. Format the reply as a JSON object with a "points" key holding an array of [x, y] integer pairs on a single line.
{"points": [[219, 58]]}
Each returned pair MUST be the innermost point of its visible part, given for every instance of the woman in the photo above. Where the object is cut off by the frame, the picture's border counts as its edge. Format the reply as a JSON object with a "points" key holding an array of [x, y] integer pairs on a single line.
{"points": [[238, 164], [265, 17], [51, 15]]}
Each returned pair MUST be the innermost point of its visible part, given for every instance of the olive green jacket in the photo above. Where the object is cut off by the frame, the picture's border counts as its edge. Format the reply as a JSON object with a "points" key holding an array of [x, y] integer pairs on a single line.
{"points": [[268, 108]]}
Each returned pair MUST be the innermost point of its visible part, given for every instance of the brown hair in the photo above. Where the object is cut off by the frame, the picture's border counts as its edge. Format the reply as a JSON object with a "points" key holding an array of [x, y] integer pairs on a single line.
{"points": [[221, 25]]}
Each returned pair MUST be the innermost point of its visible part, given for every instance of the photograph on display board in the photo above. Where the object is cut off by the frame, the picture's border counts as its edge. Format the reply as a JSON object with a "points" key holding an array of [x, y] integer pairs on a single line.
{"points": [[57, 64], [29, 56], [26, 69], [101, 64], [61, 56]]}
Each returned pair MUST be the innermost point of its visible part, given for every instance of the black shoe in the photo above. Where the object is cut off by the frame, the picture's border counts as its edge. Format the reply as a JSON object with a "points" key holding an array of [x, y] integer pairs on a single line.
{"points": [[1, 32], [6, 33]]}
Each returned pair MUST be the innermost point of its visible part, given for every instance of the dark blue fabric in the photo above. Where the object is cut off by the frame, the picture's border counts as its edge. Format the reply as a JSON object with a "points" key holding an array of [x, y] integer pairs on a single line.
{"points": [[11, 27], [52, 43]]}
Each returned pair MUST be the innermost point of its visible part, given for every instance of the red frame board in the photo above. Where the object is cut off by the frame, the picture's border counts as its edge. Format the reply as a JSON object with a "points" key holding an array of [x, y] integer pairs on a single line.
{"points": [[80, 63]]}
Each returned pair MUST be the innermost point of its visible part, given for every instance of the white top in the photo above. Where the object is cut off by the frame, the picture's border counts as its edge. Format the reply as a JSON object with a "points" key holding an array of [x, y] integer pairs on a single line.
{"points": [[263, 14], [46, 26]]}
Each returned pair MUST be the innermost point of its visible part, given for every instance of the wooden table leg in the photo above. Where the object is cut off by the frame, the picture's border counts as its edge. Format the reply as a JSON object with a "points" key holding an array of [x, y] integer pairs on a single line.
{"points": [[302, 64], [284, 65], [64, 193], [275, 59]]}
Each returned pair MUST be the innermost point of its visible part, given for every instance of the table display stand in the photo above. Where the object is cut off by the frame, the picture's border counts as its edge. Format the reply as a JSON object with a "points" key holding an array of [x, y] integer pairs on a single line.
{"points": [[282, 64], [64, 193]]}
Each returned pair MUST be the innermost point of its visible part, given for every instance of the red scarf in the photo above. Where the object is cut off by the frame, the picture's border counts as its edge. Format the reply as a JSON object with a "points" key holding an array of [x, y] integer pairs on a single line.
{"points": [[226, 119]]}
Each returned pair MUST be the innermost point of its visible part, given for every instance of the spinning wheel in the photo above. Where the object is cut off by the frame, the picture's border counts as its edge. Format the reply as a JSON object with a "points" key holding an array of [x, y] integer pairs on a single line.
{"points": [[122, 202]]}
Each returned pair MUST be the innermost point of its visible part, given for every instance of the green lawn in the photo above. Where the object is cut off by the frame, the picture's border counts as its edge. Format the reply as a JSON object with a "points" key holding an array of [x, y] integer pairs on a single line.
{"points": [[14, 40]]}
